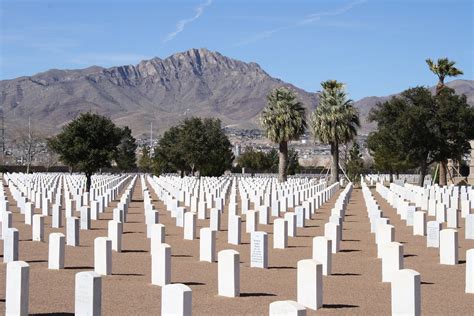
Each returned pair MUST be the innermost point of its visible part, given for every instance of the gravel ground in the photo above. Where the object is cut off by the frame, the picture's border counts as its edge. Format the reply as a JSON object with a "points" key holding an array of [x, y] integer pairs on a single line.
{"points": [[354, 288]]}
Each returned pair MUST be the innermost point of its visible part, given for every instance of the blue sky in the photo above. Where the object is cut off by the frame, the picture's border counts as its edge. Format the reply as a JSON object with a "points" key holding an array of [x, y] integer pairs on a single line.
{"points": [[376, 47]]}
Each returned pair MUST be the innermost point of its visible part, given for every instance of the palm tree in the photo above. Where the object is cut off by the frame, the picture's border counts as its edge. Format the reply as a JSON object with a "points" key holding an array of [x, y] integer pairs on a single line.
{"points": [[284, 119], [442, 69], [335, 121]]}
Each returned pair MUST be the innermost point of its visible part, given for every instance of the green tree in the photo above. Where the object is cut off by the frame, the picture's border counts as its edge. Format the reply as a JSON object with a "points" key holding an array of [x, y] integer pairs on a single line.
{"points": [[413, 125], [387, 152], [145, 162], [255, 161], [169, 154], [284, 119], [454, 126], [125, 157], [88, 143], [293, 164], [355, 164], [335, 121], [443, 68], [195, 145]]}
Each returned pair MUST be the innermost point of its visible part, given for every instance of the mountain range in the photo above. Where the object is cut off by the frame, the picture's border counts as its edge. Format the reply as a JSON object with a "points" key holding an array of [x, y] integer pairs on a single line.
{"points": [[197, 82]]}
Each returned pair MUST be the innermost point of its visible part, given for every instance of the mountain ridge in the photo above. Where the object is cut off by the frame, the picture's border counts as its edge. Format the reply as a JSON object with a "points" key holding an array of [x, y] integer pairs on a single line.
{"points": [[197, 82]]}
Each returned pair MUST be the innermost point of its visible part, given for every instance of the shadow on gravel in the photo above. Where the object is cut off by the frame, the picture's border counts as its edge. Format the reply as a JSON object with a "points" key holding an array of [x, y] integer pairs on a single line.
{"points": [[54, 314], [282, 268], [346, 274], [191, 283], [339, 306], [255, 294], [128, 274], [36, 261], [134, 251], [79, 268]]}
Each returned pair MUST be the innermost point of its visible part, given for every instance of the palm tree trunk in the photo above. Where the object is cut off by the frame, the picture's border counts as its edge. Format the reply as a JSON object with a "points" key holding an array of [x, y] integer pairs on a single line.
{"points": [[442, 173], [88, 181], [335, 163], [283, 161], [423, 169]]}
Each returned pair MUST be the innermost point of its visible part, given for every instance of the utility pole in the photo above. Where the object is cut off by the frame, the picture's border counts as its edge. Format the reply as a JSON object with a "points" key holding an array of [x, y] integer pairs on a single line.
{"points": [[151, 139], [2, 133]]}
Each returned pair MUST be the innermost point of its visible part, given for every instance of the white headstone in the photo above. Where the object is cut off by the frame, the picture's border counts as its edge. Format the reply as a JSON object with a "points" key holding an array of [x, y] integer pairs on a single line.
{"points": [[11, 239], [392, 260], [57, 216], [251, 223], [56, 251], [88, 294], [85, 218], [331, 231], [207, 245], [215, 223], [234, 230], [453, 218], [419, 223], [286, 308], [228, 273], [17, 288], [322, 252], [406, 293], [280, 233], [29, 213], [310, 284], [469, 226], [115, 231], [259, 250], [72, 231], [38, 227], [189, 226], [448, 246], [470, 271], [161, 265], [432, 234], [157, 237], [176, 300], [103, 256], [291, 219]]}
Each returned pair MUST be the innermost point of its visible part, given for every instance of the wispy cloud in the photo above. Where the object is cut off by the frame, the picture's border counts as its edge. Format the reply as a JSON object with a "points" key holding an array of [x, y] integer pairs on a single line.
{"points": [[107, 59], [182, 23], [317, 16], [305, 21]]}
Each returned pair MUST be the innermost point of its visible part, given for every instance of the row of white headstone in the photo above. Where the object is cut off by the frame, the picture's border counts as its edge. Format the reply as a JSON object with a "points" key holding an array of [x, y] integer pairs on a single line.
{"points": [[229, 260], [310, 272], [88, 283], [444, 239]]}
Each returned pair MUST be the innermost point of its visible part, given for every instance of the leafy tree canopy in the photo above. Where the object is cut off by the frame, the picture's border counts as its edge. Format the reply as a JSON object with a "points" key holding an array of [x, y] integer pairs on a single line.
{"points": [[125, 157], [417, 128], [88, 143], [194, 145]]}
